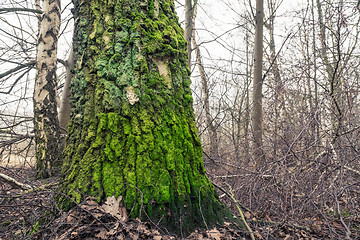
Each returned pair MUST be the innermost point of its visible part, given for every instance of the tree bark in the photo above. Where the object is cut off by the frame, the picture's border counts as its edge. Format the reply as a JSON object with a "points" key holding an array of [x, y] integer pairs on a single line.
{"points": [[46, 121], [257, 115], [132, 131], [188, 27], [65, 109]]}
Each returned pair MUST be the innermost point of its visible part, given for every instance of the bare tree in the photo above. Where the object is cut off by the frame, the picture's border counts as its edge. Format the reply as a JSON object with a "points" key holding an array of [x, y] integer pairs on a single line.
{"points": [[46, 120], [212, 136], [257, 111]]}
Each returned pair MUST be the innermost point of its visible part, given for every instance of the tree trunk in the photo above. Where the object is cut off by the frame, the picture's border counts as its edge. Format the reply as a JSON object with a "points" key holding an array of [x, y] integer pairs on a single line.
{"points": [[132, 131], [257, 85], [65, 109], [188, 27], [46, 121], [247, 101], [332, 69], [316, 110], [279, 101], [213, 138]]}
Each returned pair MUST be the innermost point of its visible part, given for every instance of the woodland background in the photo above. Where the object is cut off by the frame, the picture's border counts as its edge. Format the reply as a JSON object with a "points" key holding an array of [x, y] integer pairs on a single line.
{"points": [[307, 171]]}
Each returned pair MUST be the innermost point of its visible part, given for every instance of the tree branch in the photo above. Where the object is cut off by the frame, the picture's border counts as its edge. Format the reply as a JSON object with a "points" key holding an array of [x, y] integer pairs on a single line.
{"points": [[15, 69], [14, 183], [7, 10]]}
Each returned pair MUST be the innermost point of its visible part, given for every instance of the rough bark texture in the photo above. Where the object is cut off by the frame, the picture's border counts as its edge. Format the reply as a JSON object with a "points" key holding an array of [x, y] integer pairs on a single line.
{"points": [[257, 84], [132, 131], [46, 121]]}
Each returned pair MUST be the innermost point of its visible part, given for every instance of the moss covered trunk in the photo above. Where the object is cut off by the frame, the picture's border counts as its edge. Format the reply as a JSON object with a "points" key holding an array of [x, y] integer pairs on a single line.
{"points": [[132, 131]]}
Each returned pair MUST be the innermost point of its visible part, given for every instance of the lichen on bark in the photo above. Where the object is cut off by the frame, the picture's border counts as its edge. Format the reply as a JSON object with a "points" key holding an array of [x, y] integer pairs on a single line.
{"points": [[146, 149]]}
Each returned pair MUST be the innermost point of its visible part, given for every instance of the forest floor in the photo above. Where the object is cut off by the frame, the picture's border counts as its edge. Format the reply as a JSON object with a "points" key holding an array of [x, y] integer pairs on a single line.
{"points": [[33, 214]]}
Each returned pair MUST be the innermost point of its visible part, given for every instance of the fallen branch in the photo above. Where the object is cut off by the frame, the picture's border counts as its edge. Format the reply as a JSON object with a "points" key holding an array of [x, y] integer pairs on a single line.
{"points": [[14, 183], [228, 194], [231, 196]]}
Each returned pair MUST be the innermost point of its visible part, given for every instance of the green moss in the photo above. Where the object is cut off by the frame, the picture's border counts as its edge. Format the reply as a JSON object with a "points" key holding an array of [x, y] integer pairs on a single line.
{"points": [[149, 152]]}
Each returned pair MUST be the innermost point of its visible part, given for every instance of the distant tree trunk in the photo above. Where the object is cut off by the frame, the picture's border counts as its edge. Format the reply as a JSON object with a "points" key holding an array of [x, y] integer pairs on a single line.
{"points": [[279, 101], [46, 121], [316, 110], [212, 133], [65, 109], [132, 131], [257, 115], [247, 100], [188, 27], [332, 69], [213, 138]]}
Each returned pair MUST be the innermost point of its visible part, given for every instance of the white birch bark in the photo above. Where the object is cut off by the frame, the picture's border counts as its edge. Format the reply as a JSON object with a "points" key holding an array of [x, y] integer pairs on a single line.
{"points": [[46, 121]]}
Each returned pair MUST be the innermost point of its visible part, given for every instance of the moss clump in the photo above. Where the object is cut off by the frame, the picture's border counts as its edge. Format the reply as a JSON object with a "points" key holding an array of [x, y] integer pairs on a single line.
{"points": [[143, 147]]}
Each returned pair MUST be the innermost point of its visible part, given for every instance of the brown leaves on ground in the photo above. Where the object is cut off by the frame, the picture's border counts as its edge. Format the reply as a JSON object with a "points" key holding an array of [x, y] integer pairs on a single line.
{"points": [[114, 207], [89, 220], [31, 215]]}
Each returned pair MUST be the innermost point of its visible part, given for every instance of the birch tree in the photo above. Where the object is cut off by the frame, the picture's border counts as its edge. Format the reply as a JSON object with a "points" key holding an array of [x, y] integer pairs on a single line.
{"points": [[46, 123]]}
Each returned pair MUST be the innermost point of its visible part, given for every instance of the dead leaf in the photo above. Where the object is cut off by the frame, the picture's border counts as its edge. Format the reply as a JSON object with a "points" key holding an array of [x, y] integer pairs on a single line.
{"points": [[226, 224], [90, 205], [142, 228], [114, 230], [71, 219], [102, 234], [214, 233], [121, 237], [287, 237], [258, 235], [114, 207], [134, 236]]}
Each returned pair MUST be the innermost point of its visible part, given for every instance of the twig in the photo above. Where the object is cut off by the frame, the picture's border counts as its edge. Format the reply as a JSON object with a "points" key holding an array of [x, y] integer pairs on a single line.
{"points": [[6, 10], [201, 210], [241, 214], [280, 224], [142, 209], [85, 210], [228, 194], [348, 232]]}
